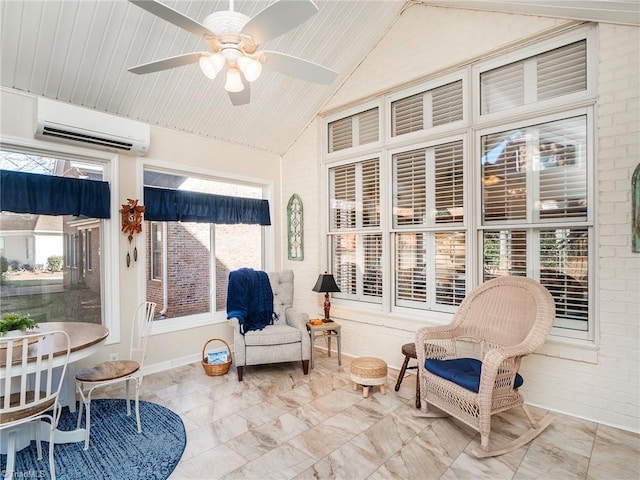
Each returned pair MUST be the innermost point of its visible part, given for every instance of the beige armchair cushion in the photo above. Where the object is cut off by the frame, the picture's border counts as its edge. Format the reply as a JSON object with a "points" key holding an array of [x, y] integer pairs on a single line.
{"points": [[287, 340]]}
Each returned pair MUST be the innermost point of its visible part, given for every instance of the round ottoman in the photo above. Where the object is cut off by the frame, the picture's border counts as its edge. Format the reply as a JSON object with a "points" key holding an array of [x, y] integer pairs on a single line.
{"points": [[368, 371]]}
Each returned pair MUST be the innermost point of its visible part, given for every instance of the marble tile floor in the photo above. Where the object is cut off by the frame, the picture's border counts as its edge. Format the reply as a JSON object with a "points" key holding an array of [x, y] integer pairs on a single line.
{"points": [[280, 424]]}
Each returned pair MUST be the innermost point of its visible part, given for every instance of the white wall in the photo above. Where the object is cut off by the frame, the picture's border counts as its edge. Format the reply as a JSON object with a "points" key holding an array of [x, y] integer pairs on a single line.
{"points": [[180, 150], [599, 382]]}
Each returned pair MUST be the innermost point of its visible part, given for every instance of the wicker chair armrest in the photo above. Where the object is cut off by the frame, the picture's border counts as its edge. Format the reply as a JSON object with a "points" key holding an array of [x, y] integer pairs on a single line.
{"points": [[445, 332], [501, 362]]}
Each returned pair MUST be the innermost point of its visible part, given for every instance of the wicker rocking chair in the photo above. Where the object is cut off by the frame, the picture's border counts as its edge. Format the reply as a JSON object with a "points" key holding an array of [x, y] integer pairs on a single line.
{"points": [[498, 323]]}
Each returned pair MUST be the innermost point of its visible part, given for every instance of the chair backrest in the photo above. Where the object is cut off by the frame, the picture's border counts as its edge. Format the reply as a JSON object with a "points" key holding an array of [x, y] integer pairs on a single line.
{"points": [[282, 287], [507, 311], [27, 384], [142, 322]]}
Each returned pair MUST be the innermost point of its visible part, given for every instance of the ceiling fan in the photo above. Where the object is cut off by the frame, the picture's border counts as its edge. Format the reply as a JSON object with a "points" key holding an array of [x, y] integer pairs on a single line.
{"points": [[234, 39]]}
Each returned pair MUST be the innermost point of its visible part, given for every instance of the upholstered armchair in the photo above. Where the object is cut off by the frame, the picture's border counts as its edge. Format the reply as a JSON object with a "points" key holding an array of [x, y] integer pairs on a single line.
{"points": [[286, 340]]}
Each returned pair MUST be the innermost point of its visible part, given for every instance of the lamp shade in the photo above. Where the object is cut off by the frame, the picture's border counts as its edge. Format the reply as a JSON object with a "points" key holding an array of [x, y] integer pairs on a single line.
{"points": [[234, 81], [326, 283]]}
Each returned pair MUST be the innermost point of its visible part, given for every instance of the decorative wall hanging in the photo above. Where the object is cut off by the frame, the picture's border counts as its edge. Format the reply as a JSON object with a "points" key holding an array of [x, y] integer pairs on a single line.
{"points": [[295, 233], [132, 224], [635, 210]]}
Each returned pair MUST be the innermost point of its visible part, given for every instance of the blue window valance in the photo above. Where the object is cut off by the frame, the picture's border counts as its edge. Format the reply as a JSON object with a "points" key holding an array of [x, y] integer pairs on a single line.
{"points": [[166, 205], [22, 192]]}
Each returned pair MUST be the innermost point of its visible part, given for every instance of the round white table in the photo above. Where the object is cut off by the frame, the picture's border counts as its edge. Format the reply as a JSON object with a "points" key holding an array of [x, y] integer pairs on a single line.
{"points": [[85, 339]]}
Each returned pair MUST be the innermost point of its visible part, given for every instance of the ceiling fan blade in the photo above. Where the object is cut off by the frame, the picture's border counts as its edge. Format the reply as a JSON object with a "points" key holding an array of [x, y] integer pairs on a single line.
{"points": [[243, 97], [298, 67], [166, 63], [279, 18], [173, 16]]}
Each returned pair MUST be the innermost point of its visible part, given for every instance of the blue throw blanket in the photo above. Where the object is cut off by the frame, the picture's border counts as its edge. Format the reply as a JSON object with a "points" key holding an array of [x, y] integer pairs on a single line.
{"points": [[250, 299]]}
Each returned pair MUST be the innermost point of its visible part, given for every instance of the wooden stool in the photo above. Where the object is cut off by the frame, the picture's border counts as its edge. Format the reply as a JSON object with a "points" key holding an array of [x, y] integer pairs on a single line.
{"points": [[368, 371], [409, 351]]}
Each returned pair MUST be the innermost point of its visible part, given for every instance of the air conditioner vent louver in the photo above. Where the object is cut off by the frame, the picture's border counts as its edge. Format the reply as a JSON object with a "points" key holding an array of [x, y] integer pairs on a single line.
{"points": [[63, 122], [54, 132]]}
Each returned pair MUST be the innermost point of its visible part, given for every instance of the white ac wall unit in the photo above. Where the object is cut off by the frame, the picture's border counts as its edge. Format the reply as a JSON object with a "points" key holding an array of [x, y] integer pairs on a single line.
{"points": [[68, 123]]}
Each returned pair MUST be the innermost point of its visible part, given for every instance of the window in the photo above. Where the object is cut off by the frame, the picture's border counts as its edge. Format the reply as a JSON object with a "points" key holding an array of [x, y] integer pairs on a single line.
{"points": [[188, 262], [435, 107], [356, 239], [428, 213], [54, 255], [355, 130], [157, 239], [534, 185], [456, 201], [554, 73]]}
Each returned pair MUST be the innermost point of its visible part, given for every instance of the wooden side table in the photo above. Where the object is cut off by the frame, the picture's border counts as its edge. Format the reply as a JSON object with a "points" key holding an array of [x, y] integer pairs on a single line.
{"points": [[409, 352], [326, 330]]}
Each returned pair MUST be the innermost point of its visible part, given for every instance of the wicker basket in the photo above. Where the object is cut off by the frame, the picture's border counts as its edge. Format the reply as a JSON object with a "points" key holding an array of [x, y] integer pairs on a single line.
{"points": [[217, 368]]}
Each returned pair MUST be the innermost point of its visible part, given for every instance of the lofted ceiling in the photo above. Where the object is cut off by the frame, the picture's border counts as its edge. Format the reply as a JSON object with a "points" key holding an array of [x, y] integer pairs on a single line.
{"points": [[78, 51]]}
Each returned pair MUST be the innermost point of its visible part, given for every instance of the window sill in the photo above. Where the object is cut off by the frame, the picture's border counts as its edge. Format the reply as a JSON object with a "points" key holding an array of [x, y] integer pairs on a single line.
{"points": [[171, 325], [555, 346]]}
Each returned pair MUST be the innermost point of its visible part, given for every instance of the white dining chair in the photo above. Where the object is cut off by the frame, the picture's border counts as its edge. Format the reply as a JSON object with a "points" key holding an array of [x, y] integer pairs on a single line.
{"points": [[29, 390], [108, 373]]}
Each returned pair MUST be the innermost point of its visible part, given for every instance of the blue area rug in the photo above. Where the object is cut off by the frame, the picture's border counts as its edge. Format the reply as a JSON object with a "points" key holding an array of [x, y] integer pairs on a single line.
{"points": [[116, 449]]}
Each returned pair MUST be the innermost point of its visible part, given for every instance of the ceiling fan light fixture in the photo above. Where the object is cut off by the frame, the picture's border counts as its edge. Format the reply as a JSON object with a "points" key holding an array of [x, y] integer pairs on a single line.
{"points": [[212, 65], [234, 81], [251, 68]]}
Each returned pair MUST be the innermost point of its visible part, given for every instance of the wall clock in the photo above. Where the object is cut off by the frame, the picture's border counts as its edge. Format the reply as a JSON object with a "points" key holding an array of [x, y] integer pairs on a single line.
{"points": [[132, 224]]}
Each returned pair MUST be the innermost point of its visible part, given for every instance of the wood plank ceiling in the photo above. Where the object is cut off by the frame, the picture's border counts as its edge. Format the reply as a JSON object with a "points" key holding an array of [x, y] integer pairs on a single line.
{"points": [[78, 51]]}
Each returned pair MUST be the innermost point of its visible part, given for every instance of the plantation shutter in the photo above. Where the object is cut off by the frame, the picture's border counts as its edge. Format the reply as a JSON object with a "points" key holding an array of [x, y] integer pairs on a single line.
{"points": [[354, 130], [372, 279], [424, 110], [557, 72], [563, 169], [450, 267], [563, 254], [504, 181], [447, 104], [502, 88], [343, 197], [410, 269], [344, 264], [562, 71], [340, 134], [409, 181], [504, 253], [449, 186], [407, 115], [368, 126], [371, 193]]}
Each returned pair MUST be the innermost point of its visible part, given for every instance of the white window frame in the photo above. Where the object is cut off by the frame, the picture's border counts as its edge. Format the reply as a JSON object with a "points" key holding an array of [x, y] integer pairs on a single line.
{"points": [[359, 230], [587, 33], [170, 325], [110, 267], [471, 128], [391, 140], [358, 149]]}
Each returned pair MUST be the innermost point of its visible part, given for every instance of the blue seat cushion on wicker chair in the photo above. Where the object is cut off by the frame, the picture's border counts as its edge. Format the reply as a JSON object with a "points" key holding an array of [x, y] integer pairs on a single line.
{"points": [[462, 371]]}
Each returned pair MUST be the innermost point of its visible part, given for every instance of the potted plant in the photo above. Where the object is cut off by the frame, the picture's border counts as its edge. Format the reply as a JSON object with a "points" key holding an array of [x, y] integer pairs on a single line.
{"points": [[14, 321]]}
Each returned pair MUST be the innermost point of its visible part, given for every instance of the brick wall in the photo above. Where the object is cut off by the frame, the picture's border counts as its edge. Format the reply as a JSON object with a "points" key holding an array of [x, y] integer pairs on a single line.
{"points": [[188, 264], [618, 152]]}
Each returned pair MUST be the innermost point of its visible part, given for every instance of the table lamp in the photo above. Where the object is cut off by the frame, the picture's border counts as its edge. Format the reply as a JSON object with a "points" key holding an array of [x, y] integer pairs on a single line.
{"points": [[327, 284]]}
